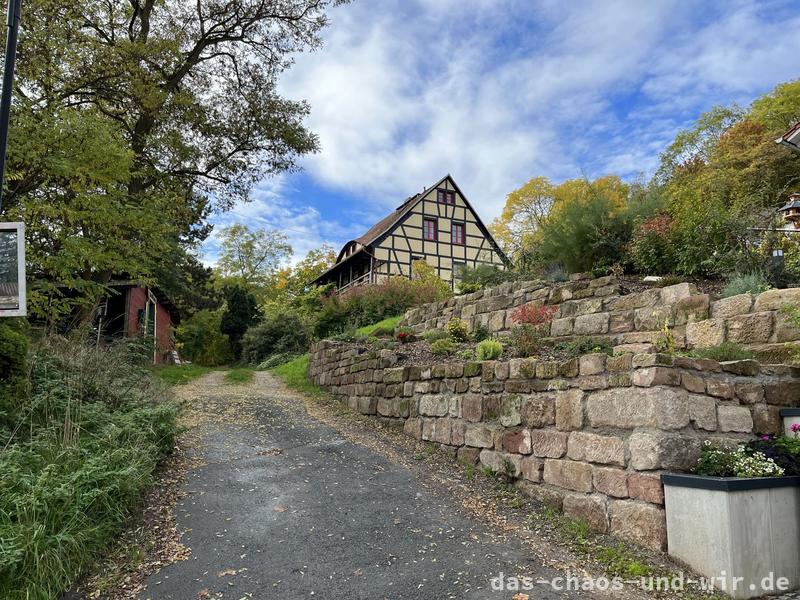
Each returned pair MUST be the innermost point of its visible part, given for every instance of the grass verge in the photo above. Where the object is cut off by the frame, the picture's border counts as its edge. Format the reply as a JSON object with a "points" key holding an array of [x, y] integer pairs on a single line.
{"points": [[240, 375], [295, 375], [81, 448], [180, 374], [387, 324]]}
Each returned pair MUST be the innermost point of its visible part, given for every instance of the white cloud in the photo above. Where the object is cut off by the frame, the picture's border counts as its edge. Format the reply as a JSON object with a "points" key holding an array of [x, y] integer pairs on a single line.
{"points": [[495, 92]]}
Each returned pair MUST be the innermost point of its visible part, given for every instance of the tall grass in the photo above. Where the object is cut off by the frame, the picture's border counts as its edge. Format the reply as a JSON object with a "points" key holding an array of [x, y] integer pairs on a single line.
{"points": [[79, 449]]}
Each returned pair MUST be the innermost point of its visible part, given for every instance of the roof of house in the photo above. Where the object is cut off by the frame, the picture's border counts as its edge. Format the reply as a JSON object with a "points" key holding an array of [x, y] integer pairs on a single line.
{"points": [[387, 223], [790, 204], [791, 138]]}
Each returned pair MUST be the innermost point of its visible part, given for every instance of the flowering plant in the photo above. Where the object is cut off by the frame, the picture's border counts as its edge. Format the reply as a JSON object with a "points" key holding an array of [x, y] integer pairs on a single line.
{"points": [[795, 429], [744, 461]]}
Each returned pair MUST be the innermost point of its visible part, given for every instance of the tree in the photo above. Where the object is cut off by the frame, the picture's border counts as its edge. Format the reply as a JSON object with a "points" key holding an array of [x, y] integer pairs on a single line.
{"points": [[134, 119], [524, 212], [241, 311], [249, 257]]}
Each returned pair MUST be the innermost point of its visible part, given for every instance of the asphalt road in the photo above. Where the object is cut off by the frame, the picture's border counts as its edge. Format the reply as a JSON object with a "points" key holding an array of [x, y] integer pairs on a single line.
{"points": [[285, 507]]}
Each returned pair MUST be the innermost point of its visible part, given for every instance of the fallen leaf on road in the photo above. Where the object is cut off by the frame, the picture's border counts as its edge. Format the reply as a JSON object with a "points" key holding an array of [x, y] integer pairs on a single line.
{"points": [[279, 509], [226, 572], [521, 597], [203, 594]]}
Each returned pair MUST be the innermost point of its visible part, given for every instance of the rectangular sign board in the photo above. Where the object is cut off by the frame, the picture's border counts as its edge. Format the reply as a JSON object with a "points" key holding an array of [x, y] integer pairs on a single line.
{"points": [[12, 270]]}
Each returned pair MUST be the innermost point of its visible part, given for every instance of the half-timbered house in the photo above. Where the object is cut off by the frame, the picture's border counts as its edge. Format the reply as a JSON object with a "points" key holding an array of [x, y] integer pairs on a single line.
{"points": [[438, 225]]}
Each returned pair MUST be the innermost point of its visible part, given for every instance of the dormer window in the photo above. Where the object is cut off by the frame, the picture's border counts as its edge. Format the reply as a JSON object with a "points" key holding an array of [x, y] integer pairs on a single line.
{"points": [[446, 196]]}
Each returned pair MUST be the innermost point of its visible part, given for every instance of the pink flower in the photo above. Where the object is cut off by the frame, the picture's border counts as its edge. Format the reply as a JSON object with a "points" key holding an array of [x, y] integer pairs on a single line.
{"points": [[795, 429]]}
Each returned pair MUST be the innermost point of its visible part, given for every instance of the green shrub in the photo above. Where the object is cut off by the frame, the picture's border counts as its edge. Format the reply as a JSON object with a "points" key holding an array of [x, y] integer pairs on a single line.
{"points": [[280, 333], [751, 283], [468, 354], [587, 345], [200, 340], [458, 330], [526, 339], [383, 332], [723, 352], [480, 332], [96, 424], [651, 249], [365, 305], [489, 350], [467, 288], [432, 335], [13, 361], [239, 314], [443, 347], [483, 276]]}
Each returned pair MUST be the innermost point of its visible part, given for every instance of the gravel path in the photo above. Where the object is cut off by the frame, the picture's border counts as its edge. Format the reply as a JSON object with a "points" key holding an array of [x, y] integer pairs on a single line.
{"points": [[282, 505]]}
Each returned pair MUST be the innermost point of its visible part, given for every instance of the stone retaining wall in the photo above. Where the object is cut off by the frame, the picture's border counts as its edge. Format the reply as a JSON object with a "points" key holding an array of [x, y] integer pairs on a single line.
{"points": [[590, 435], [592, 307]]}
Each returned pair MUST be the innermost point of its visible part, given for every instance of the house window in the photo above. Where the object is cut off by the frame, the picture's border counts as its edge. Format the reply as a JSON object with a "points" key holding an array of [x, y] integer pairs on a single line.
{"points": [[446, 196], [429, 229], [458, 233]]}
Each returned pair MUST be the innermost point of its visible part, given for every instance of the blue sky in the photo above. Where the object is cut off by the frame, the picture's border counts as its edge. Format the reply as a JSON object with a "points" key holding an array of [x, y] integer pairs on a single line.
{"points": [[495, 92]]}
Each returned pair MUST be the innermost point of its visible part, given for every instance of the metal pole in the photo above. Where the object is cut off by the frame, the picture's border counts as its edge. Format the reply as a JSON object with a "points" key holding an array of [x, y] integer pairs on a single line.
{"points": [[14, 13]]}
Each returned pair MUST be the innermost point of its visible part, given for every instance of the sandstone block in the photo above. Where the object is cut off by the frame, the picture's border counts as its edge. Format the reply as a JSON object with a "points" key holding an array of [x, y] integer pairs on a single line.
{"points": [[610, 481], [621, 362], [703, 412], [479, 435], [433, 406], [691, 309], [547, 443], [568, 474], [532, 468], [767, 420], [732, 306], [656, 376], [653, 318], [468, 456], [510, 408], [753, 328], [649, 297], [441, 431], [680, 291], [646, 486], [458, 430], [539, 410], [693, 383], [569, 410], [413, 428], [628, 408], [734, 418], [587, 508], [621, 321], [522, 368], [642, 523], [591, 324], [592, 364], [651, 450], [720, 388], [472, 407], [749, 392], [703, 334], [775, 299], [501, 462], [783, 393], [561, 327], [546, 370], [517, 441], [590, 447]]}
